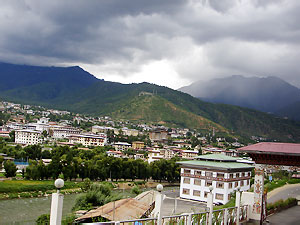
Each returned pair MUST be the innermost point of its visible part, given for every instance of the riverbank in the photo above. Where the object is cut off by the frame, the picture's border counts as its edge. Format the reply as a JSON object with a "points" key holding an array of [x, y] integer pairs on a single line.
{"points": [[11, 189]]}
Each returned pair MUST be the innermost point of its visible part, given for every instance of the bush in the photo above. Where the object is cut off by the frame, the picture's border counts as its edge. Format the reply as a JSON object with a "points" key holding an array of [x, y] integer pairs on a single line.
{"points": [[136, 190], [25, 195], [10, 169], [43, 219], [86, 184], [13, 195]]}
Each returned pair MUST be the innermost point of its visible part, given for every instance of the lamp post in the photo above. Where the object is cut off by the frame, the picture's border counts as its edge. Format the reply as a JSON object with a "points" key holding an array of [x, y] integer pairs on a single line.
{"points": [[57, 203], [210, 205], [160, 199], [238, 204]]}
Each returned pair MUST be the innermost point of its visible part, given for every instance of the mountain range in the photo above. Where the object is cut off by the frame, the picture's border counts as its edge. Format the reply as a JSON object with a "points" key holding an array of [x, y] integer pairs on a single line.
{"points": [[268, 94], [72, 88]]}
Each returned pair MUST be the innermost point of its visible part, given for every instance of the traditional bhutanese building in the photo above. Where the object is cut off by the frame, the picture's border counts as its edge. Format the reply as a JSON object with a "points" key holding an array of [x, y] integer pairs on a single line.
{"points": [[222, 172]]}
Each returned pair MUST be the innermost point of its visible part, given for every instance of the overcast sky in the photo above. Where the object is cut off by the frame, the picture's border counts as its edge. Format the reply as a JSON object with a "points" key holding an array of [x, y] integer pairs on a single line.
{"points": [[166, 42]]}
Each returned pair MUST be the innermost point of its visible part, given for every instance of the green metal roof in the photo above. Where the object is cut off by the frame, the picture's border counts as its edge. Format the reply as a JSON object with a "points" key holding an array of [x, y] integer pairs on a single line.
{"points": [[216, 157], [214, 164]]}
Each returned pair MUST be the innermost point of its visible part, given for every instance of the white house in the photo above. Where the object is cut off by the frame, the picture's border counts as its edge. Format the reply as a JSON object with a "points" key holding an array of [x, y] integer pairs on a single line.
{"points": [[221, 172]]}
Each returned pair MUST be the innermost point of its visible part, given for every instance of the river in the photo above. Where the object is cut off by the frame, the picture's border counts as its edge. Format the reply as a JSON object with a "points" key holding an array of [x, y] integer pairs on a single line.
{"points": [[27, 210]]}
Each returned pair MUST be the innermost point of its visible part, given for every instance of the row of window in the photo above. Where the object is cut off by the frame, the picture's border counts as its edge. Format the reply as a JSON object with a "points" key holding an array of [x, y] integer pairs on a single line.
{"points": [[218, 184], [197, 193], [219, 175]]}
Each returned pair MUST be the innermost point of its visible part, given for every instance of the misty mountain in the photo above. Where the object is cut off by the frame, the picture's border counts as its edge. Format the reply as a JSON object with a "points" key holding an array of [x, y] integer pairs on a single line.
{"points": [[74, 89], [268, 94]]}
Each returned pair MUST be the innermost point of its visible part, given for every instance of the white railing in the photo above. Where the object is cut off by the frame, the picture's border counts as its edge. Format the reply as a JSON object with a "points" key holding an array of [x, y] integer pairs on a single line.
{"points": [[226, 216]]}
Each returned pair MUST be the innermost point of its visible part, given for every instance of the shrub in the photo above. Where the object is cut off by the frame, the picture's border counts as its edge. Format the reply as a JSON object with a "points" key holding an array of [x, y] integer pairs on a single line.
{"points": [[136, 190], [43, 219]]}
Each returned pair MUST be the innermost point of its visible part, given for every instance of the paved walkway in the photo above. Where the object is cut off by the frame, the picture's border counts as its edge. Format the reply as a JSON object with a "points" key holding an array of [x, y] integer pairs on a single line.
{"points": [[287, 191], [289, 216]]}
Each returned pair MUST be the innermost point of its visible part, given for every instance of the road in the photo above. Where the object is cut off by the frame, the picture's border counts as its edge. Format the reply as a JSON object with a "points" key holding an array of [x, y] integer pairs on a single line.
{"points": [[289, 216], [287, 191]]}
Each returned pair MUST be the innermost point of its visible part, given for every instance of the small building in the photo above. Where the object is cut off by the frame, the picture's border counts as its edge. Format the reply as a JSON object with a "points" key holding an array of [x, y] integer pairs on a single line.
{"points": [[221, 172], [154, 155], [29, 137], [138, 145], [121, 146], [87, 139]]}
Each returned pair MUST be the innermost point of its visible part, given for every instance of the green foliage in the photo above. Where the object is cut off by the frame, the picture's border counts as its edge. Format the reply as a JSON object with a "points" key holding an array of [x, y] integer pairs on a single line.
{"points": [[1, 161], [10, 169], [43, 219], [98, 195], [282, 204], [86, 185], [136, 190], [16, 186]]}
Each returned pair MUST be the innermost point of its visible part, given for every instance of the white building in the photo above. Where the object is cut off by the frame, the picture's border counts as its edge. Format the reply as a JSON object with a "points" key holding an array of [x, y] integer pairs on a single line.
{"points": [[121, 146], [221, 172], [87, 139], [60, 132], [154, 155], [30, 137]]}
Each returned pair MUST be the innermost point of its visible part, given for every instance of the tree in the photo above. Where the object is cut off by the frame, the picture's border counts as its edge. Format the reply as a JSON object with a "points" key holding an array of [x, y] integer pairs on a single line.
{"points": [[10, 169], [12, 136], [1, 161]]}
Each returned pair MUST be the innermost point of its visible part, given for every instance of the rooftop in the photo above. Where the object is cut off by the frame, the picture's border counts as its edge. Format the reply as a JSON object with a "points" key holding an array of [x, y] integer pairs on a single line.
{"points": [[216, 161], [272, 148]]}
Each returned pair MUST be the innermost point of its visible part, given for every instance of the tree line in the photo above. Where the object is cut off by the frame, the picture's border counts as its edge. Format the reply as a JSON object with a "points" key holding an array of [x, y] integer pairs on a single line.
{"points": [[73, 163]]}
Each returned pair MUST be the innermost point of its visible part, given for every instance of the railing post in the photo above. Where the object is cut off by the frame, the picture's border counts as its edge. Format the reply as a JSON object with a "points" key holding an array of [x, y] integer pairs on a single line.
{"points": [[189, 219], [159, 203], [117, 223], [210, 205], [225, 216], [57, 204], [238, 205]]}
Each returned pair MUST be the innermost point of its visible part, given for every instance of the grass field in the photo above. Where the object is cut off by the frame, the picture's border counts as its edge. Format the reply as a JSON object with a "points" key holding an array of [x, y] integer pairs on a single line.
{"points": [[16, 186]]}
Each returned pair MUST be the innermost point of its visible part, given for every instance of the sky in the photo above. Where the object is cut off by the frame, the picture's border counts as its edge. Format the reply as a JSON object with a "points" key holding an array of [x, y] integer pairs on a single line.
{"points": [[167, 42]]}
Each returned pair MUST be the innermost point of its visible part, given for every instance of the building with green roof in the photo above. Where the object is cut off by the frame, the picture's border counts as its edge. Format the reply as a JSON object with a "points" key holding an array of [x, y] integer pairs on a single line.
{"points": [[221, 172]]}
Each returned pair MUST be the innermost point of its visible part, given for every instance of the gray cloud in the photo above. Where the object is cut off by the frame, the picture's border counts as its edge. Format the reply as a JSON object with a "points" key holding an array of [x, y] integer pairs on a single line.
{"points": [[198, 39]]}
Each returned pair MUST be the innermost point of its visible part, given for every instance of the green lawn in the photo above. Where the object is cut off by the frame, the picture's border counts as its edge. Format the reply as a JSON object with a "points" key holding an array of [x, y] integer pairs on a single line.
{"points": [[15, 186]]}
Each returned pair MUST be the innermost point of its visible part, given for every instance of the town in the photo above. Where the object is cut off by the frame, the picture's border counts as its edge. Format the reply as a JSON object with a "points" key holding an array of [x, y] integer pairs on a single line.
{"points": [[41, 144]]}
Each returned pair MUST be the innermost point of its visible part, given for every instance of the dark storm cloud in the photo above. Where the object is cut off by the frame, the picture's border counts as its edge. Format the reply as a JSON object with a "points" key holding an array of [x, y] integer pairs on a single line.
{"points": [[197, 38]]}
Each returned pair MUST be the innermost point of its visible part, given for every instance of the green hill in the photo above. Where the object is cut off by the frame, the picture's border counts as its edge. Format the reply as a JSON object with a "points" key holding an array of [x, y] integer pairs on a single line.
{"points": [[86, 94]]}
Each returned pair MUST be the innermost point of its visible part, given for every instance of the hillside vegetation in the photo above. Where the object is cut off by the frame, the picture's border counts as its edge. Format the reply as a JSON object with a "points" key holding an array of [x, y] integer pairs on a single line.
{"points": [[76, 90]]}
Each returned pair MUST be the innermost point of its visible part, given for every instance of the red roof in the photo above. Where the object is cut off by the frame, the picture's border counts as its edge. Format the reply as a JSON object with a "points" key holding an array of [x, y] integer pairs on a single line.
{"points": [[272, 147]]}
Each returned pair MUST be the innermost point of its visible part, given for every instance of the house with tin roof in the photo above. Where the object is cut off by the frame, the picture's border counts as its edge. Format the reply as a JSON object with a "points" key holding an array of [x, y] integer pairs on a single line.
{"points": [[224, 173]]}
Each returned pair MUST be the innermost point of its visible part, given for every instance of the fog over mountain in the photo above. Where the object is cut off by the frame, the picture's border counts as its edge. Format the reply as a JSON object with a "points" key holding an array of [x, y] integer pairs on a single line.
{"points": [[268, 94]]}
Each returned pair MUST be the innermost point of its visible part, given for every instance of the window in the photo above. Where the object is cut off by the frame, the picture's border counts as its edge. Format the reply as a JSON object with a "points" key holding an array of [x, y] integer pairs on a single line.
{"points": [[186, 180], [185, 191], [243, 174], [197, 182], [229, 185], [198, 172], [186, 171], [220, 175], [219, 196], [231, 175], [205, 194], [237, 174], [236, 184], [196, 193], [208, 174], [208, 183], [229, 196], [248, 182], [220, 185]]}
